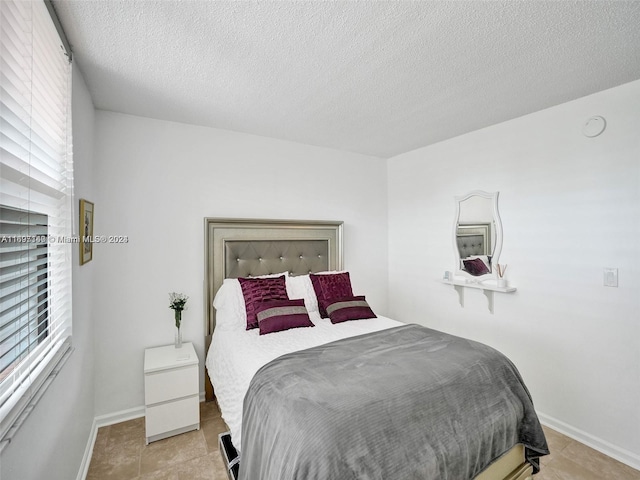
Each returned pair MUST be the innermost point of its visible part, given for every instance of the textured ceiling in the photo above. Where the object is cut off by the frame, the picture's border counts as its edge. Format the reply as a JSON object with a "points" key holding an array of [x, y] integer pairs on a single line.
{"points": [[379, 78]]}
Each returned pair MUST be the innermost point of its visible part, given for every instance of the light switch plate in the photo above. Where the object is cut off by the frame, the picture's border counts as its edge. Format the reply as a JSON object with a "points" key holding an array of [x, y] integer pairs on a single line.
{"points": [[610, 277]]}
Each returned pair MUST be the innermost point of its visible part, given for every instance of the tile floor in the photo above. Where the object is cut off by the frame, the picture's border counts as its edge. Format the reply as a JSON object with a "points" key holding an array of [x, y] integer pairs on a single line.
{"points": [[120, 454], [571, 460]]}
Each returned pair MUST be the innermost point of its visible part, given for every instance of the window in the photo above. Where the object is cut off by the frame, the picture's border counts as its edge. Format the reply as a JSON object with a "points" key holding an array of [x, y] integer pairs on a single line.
{"points": [[24, 283], [36, 179]]}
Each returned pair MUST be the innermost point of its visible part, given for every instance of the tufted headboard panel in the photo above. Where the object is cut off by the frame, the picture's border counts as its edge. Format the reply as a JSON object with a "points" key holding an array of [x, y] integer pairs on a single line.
{"points": [[471, 245], [263, 257]]}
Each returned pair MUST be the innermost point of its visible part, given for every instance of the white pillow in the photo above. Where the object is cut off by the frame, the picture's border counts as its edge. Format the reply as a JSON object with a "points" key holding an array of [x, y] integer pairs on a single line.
{"points": [[228, 319], [300, 286], [229, 303]]}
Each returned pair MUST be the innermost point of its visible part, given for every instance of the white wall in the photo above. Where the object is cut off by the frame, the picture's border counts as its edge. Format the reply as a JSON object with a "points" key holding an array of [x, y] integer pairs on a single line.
{"points": [[52, 441], [158, 180], [570, 205]]}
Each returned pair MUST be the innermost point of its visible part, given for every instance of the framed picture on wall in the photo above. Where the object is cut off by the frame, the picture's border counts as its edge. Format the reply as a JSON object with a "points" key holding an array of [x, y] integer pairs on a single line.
{"points": [[86, 231]]}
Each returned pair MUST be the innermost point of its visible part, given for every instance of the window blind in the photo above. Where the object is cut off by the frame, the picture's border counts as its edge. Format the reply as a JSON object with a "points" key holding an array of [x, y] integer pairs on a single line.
{"points": [[36, 179]]}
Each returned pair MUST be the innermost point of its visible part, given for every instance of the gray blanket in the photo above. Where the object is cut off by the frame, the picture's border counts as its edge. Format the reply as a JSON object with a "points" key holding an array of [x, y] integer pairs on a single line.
{"points": [[404, 403]]}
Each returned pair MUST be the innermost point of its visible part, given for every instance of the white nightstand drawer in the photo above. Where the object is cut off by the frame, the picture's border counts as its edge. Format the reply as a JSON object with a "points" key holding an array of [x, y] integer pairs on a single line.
{"points": [[170, 384], [169, 416], [171, 391]]}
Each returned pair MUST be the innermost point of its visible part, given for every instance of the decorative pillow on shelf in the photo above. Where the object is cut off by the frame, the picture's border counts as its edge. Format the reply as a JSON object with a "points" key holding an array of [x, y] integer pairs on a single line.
{"points": [[256, 290], [330, 286], [486, 259], [278, 315], [475, 266], [348, 308]]}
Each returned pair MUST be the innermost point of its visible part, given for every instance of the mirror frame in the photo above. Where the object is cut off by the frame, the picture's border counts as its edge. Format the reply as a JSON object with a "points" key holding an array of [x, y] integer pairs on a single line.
{"points": [[493, 197]]}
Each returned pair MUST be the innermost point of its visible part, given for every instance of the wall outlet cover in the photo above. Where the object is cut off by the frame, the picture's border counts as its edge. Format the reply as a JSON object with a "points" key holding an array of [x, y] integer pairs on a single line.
{"points": [[610, 277]]}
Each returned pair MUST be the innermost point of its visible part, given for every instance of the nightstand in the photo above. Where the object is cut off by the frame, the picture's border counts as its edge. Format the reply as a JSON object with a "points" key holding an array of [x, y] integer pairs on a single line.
{"points": [[171, 391]]}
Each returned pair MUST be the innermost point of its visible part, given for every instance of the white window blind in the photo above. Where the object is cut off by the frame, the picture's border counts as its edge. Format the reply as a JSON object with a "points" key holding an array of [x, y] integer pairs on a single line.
{"points": [[36, 214]]}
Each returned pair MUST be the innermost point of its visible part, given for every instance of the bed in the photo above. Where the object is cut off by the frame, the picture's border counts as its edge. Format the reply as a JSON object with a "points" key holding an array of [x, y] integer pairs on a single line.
{"points": [[247, 370]]}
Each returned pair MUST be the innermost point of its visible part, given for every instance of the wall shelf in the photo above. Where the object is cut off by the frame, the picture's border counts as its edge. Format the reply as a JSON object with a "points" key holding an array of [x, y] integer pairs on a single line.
{"points": [[487, 288]]}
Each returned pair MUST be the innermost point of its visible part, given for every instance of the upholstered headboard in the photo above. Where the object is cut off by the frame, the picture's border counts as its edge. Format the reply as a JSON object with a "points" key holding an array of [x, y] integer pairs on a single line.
{"points": [[248, 247], [471, 245], [473, 239]]}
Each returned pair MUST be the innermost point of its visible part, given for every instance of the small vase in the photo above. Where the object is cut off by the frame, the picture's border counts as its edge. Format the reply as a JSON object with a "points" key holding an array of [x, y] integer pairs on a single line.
{"points": [[178, 315], [178, 339], [502, 282]]}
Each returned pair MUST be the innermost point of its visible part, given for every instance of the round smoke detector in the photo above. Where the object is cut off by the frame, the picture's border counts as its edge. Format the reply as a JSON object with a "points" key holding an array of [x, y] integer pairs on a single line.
{"points": [[594, 126]]}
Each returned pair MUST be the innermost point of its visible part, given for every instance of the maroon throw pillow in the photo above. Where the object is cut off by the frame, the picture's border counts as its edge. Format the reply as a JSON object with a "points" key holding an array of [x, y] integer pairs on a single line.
{"points": [[330, 286], [475, 266], [256, 290], [278, 315], [349, 308]]}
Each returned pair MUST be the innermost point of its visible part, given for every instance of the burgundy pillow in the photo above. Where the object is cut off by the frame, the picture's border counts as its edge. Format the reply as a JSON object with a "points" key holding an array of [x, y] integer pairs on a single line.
{"points": [[475, 266], [278, 315], [257, 290], [330, 286], [349, 308]]}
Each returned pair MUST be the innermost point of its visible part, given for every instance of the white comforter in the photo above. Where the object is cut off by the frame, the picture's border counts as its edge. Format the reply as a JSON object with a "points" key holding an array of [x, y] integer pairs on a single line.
{"points": [[236, 355]]}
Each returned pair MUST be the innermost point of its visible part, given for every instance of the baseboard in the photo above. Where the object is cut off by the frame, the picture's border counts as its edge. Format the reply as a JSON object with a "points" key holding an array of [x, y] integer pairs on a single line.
{"points": [[609, 449], [88, 452], [121, 416]]}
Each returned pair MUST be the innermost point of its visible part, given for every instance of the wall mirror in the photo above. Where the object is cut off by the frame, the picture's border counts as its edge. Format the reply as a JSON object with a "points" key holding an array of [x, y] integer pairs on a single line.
{"points": [[477, 234]]}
